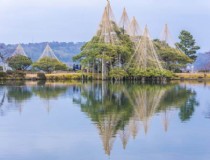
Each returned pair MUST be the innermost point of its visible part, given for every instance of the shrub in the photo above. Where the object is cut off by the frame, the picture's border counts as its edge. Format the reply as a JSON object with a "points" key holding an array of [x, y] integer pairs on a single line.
{"points": [[150, 73], [117, 74], [41, 76]]}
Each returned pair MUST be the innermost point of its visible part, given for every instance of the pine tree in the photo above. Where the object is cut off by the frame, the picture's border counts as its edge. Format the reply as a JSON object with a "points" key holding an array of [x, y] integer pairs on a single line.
{"points": [[188, 44]]}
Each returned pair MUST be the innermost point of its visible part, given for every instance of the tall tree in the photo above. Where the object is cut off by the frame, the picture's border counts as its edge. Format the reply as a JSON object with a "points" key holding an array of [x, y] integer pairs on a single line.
{"points": [[188, 44]]}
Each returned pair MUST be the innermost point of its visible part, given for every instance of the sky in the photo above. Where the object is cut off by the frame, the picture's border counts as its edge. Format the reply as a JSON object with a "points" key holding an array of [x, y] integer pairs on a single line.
{"points": [[26, 21]]}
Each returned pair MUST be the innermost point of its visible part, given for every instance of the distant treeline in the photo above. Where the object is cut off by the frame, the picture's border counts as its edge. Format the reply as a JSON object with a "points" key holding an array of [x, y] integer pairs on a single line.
{"points": [[63, 50]]}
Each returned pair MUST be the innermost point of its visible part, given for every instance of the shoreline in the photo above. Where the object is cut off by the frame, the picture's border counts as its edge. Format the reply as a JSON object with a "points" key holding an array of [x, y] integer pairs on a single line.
{"points": [[90, 76]]}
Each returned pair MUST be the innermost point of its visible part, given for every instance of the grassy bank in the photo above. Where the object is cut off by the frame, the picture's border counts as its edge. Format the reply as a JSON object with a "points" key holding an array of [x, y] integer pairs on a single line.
{"points": [[86, 76], [192, 76], [42, 76]]}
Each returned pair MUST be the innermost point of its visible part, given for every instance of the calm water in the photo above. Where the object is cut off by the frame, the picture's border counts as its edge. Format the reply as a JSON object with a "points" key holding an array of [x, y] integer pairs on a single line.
{"points": [[95, 121]]}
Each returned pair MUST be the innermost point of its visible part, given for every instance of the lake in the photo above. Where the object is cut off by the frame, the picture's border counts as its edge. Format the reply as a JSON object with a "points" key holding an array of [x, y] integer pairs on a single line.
{"points": [[104, 121]]}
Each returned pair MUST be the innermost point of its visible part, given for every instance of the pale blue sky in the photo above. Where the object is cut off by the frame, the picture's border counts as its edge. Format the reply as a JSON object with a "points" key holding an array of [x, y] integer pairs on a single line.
{"points": [[23, 21]]}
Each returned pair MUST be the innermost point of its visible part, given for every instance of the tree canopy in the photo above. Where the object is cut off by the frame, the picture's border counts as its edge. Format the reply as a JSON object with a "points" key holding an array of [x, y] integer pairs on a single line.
{"points": [[48, 65], [19, 62], [173, 58]]}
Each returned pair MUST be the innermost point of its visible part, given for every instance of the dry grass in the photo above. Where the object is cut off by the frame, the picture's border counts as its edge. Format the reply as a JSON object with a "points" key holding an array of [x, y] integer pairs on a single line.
{"points": [[192, 76], [31, 76]]}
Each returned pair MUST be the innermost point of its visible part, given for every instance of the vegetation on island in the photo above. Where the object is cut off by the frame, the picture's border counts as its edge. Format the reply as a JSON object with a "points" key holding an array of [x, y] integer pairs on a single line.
{"points": [[118, 57]]}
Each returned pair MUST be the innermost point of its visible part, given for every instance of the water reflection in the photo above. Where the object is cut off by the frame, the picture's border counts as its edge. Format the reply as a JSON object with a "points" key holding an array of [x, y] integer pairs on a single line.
{"points": [[48, 92], [121, 109], [117, 110], [13, 96]]}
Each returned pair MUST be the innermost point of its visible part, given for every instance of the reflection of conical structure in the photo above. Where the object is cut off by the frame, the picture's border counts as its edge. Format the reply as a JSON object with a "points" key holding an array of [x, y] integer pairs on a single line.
{"points": [[107, 131], [2, 103], [19, 51], [145, 103], [124, 136], [134, 31], [145, 55], [133, 127], [166, 121], [48, 52], [166, 37], [47, 105], [124, 22]]}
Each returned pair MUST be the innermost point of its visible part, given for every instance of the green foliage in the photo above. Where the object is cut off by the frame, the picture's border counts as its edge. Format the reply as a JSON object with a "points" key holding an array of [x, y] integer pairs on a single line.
{"points": [[188, 44], [48, 65], [117, 73], [1, 68], [19, 62], [173, 59]]}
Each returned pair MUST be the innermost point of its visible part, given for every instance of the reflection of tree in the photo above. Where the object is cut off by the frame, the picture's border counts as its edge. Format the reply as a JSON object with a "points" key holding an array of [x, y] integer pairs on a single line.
{"points": [[19, 93], [188, 108], [180, 97], [120, 109], [49, 91], [108, 108], [13, 97]]}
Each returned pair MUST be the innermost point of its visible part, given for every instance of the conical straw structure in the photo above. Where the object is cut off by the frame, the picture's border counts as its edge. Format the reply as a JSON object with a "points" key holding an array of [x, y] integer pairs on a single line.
{"points": [[145, 55], [125, 22], [19, 51], [48, 52], [166, 37]]}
